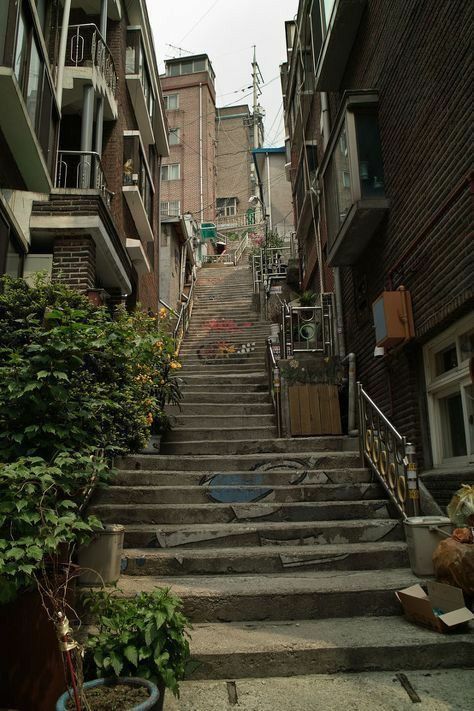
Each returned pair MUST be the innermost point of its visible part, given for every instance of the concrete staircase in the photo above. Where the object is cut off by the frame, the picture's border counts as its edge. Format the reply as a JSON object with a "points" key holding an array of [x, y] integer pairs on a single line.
{"points": [[283, 550]]}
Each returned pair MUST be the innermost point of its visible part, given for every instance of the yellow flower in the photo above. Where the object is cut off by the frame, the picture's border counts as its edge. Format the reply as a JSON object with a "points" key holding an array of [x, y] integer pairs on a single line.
{"points": [[149, 418], [174, 365], [163, 313]]}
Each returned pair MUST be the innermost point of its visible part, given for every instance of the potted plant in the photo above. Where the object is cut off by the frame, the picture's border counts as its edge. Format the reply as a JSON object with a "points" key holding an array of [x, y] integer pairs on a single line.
{"points": [[142, 638]]}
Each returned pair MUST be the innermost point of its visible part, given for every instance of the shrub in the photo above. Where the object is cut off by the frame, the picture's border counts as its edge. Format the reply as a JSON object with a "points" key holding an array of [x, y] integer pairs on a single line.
{"points": [[72, 377]]}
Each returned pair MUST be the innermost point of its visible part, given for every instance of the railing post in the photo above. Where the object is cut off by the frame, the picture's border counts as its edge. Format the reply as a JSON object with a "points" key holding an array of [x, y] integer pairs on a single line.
{"points": [[412, 479], [277, 389]]}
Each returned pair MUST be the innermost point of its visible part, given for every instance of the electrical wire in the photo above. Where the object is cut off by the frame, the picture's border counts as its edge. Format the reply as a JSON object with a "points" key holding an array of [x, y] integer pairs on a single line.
{"points": [[199, 21]]}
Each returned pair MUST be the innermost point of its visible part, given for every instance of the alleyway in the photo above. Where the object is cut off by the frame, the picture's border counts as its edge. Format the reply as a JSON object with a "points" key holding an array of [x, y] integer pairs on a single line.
{"points": [[283, 550]]}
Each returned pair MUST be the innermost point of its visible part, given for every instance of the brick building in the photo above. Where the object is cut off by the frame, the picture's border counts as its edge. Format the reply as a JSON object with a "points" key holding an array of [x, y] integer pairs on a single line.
{"points": [[82, 132], [236, 180], [188, 176], [377, 107]]}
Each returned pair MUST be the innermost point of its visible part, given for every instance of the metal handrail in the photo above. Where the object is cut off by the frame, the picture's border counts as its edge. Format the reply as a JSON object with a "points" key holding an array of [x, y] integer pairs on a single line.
{"points": [[184, 317], [168, 307], [312, 324], [99, 52], [389, 456], [85, 173], [241, 249], [274, 382]]}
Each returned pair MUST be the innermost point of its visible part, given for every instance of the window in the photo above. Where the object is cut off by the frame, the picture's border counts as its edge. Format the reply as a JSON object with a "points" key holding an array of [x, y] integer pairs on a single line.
{"points": [[353, 177], [171, 102], [11, 257], [136, 64], [451, 394], [187, 66], [136, 171], [226, 206], [172, 208], [174, 136], [170, 172]]}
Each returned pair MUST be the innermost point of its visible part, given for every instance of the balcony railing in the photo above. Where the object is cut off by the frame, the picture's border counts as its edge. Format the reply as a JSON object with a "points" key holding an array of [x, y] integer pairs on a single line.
{"points": [[245, 219], [81, 170], [308, 329], [389, 456], [87, 48]]}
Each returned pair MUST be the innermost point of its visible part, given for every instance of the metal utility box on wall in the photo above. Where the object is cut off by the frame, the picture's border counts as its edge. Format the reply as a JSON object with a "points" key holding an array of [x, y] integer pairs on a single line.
{"points": [[393, 318]]}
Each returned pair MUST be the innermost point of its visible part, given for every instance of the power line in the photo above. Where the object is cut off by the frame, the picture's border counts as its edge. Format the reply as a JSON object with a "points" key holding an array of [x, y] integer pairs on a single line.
{"points": [[199, 21]]}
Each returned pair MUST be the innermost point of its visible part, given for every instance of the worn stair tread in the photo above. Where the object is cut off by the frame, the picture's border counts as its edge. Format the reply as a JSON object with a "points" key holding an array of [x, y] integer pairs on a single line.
{"points": [[343, 633], [321, 549], [261, 505], [317, 582]]}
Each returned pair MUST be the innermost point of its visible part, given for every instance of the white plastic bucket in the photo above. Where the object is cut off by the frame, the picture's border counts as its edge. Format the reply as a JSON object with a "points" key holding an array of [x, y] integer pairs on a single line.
{"points": [[422, 540]]}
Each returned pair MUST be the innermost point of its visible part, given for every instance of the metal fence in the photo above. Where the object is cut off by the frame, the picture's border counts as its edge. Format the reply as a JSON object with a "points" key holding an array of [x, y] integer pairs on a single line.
{"points": [[81, 170], [389, 456], [308, 329]]}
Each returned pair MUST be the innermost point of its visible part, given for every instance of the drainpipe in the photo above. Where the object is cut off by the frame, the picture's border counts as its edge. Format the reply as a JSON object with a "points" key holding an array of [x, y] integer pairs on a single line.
{"points": [[201, 193], [103, 19], [86, 134], [351, 409], [62, 52], [269, 190]]}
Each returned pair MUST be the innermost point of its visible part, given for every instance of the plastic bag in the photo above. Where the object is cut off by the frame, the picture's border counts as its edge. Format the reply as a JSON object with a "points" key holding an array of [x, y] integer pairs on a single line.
{"points": [[454, 564], [461, 507]]}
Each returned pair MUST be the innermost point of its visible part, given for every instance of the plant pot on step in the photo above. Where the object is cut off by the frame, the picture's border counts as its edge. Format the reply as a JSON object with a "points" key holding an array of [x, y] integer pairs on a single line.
{"points": [[153, 445], [100, 560], [100, 689]]}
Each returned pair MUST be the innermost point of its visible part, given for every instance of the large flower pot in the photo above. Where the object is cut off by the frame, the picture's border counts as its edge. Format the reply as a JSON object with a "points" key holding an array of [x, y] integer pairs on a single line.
{"points": [[153, 703], [100, 559]]}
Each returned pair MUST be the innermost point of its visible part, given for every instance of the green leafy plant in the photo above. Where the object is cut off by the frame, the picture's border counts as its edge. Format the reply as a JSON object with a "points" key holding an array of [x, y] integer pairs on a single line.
{"points": [[144, 636], [73, 376], [40, 513], [308, 298]]}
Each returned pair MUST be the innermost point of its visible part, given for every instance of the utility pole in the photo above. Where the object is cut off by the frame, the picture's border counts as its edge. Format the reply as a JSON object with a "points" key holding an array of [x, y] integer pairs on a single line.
{"points": [[257, 79]]}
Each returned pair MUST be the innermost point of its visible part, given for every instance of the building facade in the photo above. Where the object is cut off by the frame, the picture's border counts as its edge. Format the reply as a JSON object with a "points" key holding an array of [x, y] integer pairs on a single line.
{"points": [[188, 176], [236, 181], [274, 191], [83, 133], [376, 98]]}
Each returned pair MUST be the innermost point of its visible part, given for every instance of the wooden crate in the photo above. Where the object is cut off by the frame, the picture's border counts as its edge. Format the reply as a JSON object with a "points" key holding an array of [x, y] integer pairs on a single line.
{"points": [[314, 410]]}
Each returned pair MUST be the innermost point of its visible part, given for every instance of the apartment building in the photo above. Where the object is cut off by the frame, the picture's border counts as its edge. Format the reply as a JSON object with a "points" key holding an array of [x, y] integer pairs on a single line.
{"points": [[82, 135], [377, 107], [188, 175], [236, 180], [273, 189]]}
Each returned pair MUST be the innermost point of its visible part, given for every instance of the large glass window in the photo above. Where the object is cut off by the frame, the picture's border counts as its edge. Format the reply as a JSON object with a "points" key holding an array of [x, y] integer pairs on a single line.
{"points": [[136, 63], [171, 102], [369, 154], [450, 394], [4, 7], [21, 48], [11, 257], [136, 171], [172, 208], [174, 136]]}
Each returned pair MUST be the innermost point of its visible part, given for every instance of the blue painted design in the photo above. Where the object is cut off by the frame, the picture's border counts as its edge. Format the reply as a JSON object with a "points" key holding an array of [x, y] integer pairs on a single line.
{"points": [[240, 495]]}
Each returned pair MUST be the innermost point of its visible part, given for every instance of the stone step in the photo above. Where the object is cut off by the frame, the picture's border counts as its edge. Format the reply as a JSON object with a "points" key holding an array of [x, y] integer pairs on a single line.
{"points": [[235, 322], [201, 434], [217, 409], [303, 595], [233, 364], [241, 333], [265, 559], [237, 380], [235, 493], [230, 420], [345, 479], [223, 397], [194, 359], [188, 514], [254, 446], [309, 459], [211, 386], [259, 649], [225, 535]]}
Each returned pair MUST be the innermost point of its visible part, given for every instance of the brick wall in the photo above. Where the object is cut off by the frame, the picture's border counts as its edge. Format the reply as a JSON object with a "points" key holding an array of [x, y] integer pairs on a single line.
{"points": [[234, 159], [74, 262], [416, 54], [186, 118]]}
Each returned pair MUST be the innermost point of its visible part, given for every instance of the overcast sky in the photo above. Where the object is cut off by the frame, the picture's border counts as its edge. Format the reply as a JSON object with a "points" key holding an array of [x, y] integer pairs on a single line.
{"points": [[226, 30]]}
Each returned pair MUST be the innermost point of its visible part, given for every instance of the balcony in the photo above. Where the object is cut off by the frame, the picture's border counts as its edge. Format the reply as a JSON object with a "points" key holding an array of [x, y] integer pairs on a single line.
{"points": [[340, 30], [139, 85], [138, 186], [81, 170], [29, 117], [89, 60], [353, 177]]}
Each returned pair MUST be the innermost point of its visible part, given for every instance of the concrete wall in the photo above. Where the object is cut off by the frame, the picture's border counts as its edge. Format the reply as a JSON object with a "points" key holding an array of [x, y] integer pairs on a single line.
{"points": [[234, 160]]}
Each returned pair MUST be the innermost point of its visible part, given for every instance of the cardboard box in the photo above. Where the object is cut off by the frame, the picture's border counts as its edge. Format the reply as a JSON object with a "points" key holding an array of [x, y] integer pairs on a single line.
{"points": [[442, 609]]}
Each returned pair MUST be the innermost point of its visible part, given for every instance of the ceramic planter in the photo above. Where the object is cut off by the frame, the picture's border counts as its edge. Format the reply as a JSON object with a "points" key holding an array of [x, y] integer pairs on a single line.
{"points": [[153, 703]]}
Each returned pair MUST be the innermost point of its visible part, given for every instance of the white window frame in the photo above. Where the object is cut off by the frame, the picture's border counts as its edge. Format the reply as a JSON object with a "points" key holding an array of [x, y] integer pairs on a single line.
{"points": [[168, 166], [441, 386], [166, 98], [176, 131], [229, 209], [167, 211]]}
